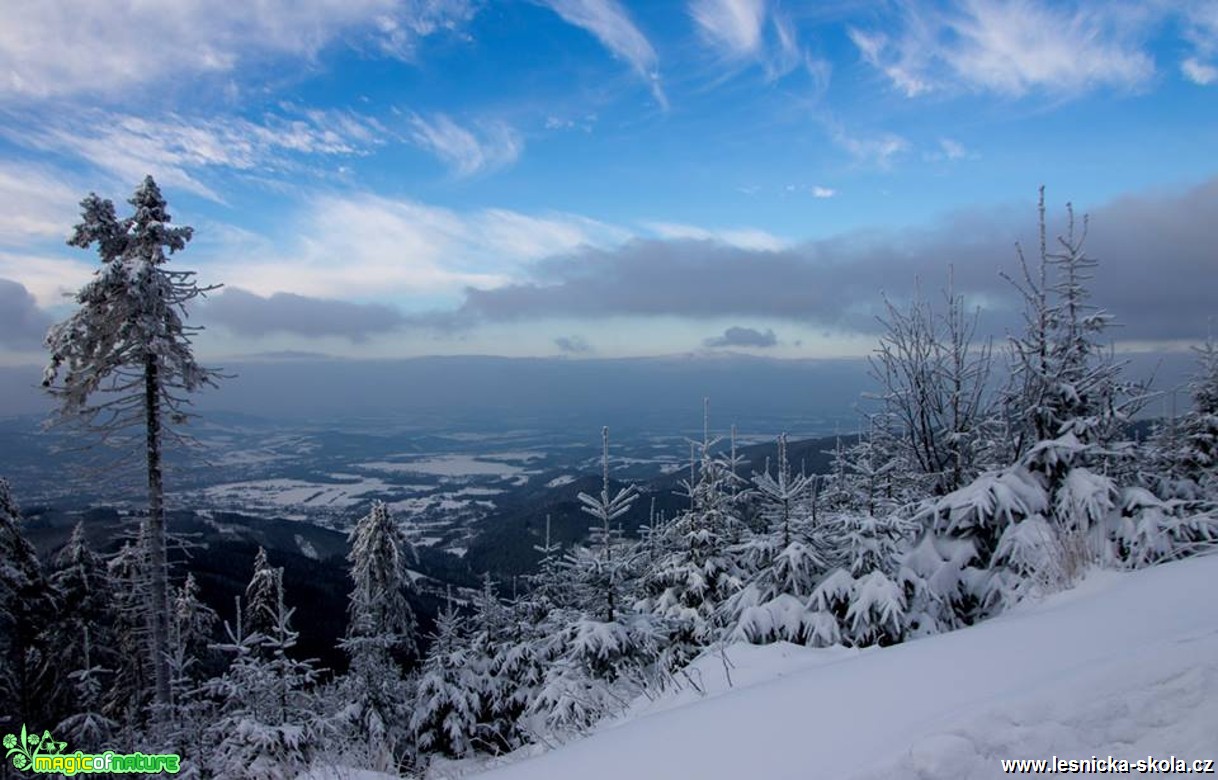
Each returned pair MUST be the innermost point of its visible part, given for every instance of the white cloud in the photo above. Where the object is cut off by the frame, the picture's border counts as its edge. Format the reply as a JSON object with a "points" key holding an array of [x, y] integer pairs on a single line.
{"points": [[742, 238], [823, 193], [900, 61], [367, 246], [61, 47], [613, 27], [736, 30], [948, 150], [734, 26], [496, 146], [878, 150], [49, 279], [952, 150], [1012, 47], [175, 148], [1199, 72], [37, 204]]}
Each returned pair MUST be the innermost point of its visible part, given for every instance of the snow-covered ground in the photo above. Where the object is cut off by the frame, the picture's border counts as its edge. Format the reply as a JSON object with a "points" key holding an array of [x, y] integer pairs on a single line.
{"points": [[1125, 664]]}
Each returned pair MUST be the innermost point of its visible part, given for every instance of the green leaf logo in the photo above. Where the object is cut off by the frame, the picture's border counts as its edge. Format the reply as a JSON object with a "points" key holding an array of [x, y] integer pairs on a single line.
{"points": [[25, 747]]}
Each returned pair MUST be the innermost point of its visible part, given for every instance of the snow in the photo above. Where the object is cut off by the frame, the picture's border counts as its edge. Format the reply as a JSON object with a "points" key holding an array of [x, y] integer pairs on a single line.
{"points": [[306, 547], [1126, 665], [446, 466], [559, 481]]}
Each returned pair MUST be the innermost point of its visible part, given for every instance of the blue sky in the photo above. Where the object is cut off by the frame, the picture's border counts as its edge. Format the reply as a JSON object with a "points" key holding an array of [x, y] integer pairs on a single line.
{"points": [[388, 178]]}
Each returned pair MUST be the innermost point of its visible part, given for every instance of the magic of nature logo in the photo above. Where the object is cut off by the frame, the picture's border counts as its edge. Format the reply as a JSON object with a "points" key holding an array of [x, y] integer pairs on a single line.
{"points": [[43, 754]]}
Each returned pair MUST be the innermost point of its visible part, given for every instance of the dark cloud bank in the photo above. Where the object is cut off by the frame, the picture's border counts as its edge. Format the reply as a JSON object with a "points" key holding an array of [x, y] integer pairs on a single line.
{"points": [[742, 337], [22, 324], [247, 314], [1158, 272]]}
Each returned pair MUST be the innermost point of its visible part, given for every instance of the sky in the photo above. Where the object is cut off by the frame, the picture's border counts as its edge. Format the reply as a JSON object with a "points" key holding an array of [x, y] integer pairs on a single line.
{"points": [[610, 178]]}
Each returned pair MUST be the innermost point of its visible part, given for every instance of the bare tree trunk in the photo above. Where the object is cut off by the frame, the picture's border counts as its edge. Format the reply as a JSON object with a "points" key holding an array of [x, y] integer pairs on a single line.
{"points": [[158, 576]]}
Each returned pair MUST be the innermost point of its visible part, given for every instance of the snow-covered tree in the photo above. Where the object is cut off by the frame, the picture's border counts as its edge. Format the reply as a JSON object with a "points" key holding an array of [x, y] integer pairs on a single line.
{"points": [[128, 696], [267, 724], [26, 604], [864, 593], [782, 565], [82, 635], [602, 571], [262, 595], [191, 660], [444, 719], [598, 649], [380, 630], [698, 569], [1063, 500], [128, 342], [194, 624], [933, 376], [1189, 445]]}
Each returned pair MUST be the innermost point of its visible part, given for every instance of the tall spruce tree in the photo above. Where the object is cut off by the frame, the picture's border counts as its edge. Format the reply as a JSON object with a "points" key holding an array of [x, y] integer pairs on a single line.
{"points": [[380, 634], [128, 343]]}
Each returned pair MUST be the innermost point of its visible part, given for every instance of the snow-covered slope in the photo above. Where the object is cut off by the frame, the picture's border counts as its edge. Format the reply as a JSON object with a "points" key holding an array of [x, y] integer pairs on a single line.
{"points": [[1126, 664]]}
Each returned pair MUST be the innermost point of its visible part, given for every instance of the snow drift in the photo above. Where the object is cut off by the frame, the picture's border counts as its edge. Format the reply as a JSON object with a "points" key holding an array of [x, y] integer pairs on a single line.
{"points": [[1125, 664]]}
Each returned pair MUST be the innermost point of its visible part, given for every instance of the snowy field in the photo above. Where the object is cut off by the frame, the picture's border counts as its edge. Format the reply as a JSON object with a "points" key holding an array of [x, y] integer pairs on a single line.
{"points": [[1126, 665]]}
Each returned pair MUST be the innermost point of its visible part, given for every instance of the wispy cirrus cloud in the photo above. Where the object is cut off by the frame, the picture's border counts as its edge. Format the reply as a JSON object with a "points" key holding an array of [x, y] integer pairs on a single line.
{"points": [[1011, 48], [39, 203], [612, 25], [878, 149], [495, 145], [178, 149], [749, 30], [1200, 19], [52, 48]]}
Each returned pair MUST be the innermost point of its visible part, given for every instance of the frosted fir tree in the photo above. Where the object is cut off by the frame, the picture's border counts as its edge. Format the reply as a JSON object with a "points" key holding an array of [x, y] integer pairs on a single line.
{"points": [[194, 626], [266, 725], [444, 718], [698, 570], [1188, 447], [602, 572], [1067, 390], [82, 634], [125, 361], [26, 604], [192, 644], [127, 698], [501, 677], [784, 564], [380, 631], [601, 651], [87, 724], [262, 595], [1065, 501], [1173, 510], [864, 593]]}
